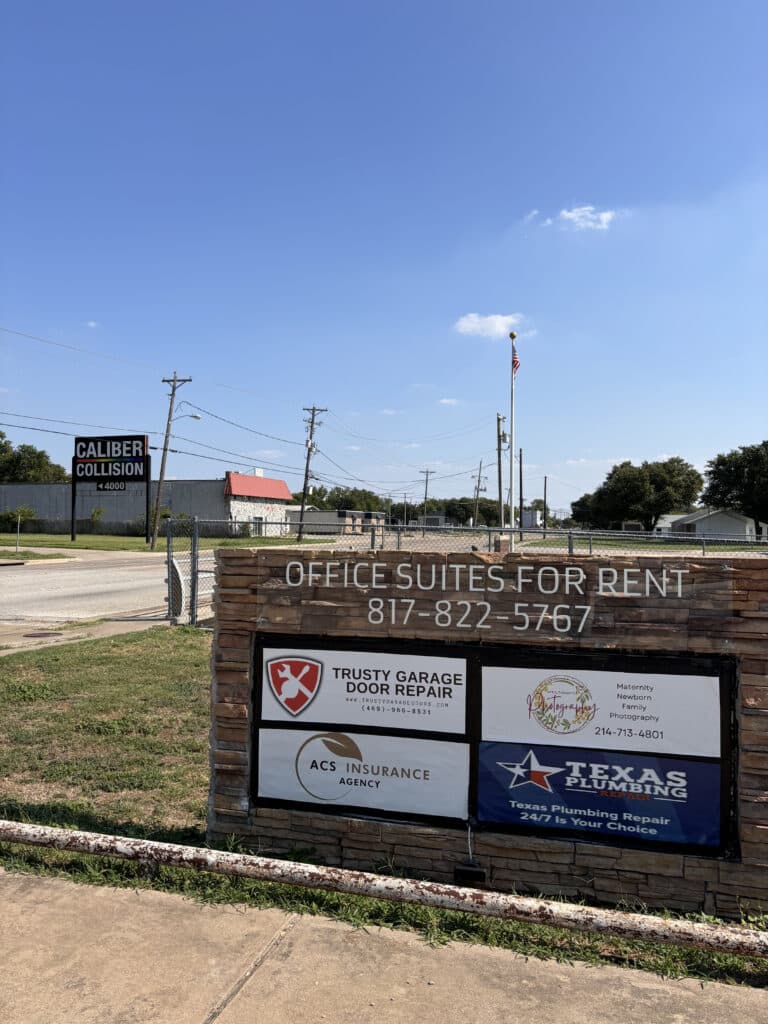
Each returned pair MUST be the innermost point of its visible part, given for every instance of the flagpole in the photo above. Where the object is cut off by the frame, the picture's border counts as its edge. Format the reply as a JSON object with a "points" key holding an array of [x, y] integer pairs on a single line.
{"points": [[512, 337]]}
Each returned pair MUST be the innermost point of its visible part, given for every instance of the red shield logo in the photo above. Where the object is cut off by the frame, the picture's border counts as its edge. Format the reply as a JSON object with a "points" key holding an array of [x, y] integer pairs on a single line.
{"points": [[294, 681]]}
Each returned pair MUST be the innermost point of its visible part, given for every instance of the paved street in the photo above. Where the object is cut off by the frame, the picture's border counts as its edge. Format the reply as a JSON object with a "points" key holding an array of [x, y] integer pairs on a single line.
{"points": [[89, 585]]}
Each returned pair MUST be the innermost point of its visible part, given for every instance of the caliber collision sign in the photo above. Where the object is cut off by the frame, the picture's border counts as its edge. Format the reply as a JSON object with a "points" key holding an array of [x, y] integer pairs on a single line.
{"points": [[110, 463], [123, 459]]}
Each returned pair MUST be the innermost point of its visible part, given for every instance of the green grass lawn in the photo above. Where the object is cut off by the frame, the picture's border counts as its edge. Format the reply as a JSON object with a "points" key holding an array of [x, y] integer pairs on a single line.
{"points": [[11, 554], [112, 736]]}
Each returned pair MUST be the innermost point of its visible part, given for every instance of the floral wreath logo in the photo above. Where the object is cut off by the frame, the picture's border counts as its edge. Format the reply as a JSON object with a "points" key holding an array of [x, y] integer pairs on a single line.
{"points": [[561, 705]]}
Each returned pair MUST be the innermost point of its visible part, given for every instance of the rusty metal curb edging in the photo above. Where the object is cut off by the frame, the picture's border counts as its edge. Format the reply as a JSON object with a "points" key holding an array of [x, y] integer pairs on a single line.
{"points": [[715, 938]]}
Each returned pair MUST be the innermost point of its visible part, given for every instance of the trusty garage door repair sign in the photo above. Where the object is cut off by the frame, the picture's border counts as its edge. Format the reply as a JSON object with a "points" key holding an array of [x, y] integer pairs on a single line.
{"points": [[110, 463]]}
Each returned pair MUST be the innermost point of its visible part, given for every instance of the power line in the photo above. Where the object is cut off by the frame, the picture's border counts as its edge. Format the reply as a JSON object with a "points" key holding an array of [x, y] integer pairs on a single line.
{"points": [[39, 430], [75, 423], [409, 440], [240, 426], [75, 348]]}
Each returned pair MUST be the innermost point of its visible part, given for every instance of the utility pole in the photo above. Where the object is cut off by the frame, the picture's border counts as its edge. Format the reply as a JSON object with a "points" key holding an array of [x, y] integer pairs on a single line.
{"points": [[310, 451], [520, 471], [545, 506], [405, 508], [427, 473], [499, 440], [478, 488], [175, 383]]}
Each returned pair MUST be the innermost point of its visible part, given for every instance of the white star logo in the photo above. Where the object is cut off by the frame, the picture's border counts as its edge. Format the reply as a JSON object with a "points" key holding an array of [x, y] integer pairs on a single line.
{"points": [[530, 771]]}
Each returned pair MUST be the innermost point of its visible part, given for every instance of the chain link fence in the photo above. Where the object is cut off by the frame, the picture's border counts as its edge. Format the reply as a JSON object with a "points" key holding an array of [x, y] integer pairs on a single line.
{"points": [[191, 544]]}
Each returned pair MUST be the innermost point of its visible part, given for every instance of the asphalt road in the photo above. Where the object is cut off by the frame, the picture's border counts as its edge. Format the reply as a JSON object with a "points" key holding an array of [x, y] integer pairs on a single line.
{"points": [[91, 585]]}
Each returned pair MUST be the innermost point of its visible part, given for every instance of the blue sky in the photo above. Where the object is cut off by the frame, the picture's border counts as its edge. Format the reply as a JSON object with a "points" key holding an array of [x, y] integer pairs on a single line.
{"points": [[297, 203]]}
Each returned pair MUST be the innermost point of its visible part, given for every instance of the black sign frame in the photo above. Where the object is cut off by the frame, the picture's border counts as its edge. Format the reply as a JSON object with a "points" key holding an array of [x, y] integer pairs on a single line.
{"points": [[476, 656], [104, 443]]}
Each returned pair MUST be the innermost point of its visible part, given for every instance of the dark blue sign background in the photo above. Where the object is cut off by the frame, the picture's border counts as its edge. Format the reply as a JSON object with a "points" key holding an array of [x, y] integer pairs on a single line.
{"points": [[520, 784]]}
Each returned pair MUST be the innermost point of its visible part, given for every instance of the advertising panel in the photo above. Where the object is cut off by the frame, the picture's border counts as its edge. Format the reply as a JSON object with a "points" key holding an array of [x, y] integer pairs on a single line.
{"points": [[118, 459], [387, 773], [621, 796], [639, 711], [369, 689]]}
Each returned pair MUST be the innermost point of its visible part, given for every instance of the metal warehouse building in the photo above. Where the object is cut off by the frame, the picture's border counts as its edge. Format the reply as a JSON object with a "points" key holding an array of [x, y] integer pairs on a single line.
{"points": [[253, 500]]}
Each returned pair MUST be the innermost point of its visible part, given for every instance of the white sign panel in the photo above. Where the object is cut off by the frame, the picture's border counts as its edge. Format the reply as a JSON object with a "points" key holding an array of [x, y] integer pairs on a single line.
{"points": [[385, 773], [638, 711], [355, 688]]}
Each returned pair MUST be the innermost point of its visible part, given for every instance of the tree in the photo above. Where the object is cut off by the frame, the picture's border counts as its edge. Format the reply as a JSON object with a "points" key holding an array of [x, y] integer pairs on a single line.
{"points": [[738, 480], [582, 512], [354, 499], [643, 492], [26, 464], [318, 496]]}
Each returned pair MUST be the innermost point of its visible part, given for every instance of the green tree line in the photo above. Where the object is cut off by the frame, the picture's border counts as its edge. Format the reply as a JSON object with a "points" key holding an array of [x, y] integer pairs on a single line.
{"points": [[736, 481]]}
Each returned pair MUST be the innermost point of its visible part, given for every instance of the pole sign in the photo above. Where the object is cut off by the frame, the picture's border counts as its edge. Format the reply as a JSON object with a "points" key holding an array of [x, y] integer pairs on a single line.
{"points": [[116, 460], [110, 463]]}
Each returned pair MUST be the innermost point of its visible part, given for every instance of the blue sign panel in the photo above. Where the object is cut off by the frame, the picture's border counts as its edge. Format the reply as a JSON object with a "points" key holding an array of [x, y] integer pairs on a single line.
{"points": [[625, 796]]}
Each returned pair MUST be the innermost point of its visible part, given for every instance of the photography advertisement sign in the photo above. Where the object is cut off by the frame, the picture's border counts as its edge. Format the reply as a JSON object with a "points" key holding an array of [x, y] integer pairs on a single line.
{"points": [[393, 691], [634, 711], [623, 796], [384, 773]]}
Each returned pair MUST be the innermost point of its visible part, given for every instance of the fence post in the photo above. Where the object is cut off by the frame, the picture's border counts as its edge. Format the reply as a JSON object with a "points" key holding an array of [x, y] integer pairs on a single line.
{"points": [[490, 539], [193, 576], [399, 538], [590, 543], [703, 545], [570, 543], [169, 565]]}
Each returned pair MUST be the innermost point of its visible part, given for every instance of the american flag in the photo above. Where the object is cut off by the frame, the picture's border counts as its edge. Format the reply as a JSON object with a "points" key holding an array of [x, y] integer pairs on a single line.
{"points": [[515, 360]]}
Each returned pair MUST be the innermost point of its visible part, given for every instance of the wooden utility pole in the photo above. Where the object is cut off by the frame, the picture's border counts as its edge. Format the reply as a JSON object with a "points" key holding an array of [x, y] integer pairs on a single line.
{"points": [[175, 383], [478, 487], [427, 473], [313, 411]]}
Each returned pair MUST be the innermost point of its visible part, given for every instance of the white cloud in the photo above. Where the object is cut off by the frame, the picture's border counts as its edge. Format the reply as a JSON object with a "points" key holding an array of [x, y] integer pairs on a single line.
{"points": [[412, 444], [353, 448], [388, 412], [448, 401], [495, 325], [587, 218], [93, 323], [265, 453], [530, 216]]}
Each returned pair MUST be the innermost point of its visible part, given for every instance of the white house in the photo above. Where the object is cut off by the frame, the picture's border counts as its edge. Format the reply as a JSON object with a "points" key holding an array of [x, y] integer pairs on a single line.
{"points": [[713, 522]]}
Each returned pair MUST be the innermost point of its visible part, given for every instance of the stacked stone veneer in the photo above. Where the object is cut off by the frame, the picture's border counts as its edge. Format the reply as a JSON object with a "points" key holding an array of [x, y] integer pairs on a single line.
{"points": [[723, 610]]}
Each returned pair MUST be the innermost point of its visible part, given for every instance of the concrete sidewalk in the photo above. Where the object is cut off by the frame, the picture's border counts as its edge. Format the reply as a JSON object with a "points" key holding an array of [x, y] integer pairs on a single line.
{"points": [[31, 636], [74, 954]]}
